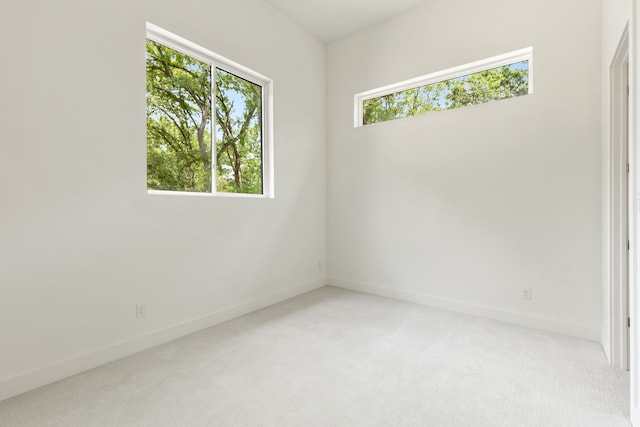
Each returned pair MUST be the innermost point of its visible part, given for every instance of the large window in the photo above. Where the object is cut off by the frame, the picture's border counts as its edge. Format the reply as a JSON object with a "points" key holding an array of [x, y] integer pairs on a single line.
{"points": [[208, 121], [500, 77]]}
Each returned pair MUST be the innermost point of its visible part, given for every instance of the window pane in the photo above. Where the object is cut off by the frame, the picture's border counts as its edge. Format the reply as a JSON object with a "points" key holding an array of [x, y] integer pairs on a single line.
{"points": [[178, 121], [238, 134], [484, 86]]}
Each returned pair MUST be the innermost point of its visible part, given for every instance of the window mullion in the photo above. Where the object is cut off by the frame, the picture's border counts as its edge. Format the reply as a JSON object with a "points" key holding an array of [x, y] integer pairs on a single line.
{"points": [[214, 130]]}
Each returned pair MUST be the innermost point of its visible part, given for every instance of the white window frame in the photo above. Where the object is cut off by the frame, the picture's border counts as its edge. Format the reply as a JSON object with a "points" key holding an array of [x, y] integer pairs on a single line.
{"points": [[509, 58], [214, 60]]}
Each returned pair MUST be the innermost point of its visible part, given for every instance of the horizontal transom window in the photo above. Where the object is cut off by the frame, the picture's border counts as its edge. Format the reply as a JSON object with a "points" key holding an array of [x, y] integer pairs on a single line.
{"points": [[499, 77]]}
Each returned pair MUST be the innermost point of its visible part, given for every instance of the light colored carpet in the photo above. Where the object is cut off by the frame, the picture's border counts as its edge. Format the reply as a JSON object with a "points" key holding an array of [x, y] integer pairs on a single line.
{"points": [[339, 358]]}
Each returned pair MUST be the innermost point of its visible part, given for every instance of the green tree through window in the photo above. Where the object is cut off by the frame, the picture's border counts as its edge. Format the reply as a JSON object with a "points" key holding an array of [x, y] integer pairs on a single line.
{"points": [[477, 88], [238, 134], [179, 122]]}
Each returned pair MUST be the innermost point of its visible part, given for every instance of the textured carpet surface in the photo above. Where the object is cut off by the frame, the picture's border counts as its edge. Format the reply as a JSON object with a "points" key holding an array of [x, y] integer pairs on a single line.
{"points": [[338, 358]]}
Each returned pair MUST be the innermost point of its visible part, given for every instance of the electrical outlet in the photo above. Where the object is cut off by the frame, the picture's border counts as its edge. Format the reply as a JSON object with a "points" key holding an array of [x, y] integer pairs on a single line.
{"points": [[526, 294], [141, 311]]}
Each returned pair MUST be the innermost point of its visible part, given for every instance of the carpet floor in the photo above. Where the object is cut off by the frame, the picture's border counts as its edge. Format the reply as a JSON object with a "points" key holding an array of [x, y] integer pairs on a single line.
{"points": [[339, 358]]}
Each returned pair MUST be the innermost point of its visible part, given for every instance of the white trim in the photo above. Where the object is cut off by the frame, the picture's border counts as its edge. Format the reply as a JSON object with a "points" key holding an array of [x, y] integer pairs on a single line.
{"points": [[214, 60], [520, 55], [620, 204], [268, 138], [200, 53], [634, 291], [493, 313], [25, 381], [203, 194]]}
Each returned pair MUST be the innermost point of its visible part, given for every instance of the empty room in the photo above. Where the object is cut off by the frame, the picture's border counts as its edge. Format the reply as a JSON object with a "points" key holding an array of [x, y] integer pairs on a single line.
{"points": [[319, 213]]}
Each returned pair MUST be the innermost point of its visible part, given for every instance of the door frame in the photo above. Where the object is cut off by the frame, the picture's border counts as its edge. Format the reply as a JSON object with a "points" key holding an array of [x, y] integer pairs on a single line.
{"points": [[619, 251], [634, 291]]}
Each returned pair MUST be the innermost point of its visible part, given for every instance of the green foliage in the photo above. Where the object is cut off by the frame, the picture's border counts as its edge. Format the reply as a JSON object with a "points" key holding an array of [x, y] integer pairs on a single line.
{"points": [[179, 156], [178, 121], [485, 86], [412, 102], [238, 134], [497, 83]]}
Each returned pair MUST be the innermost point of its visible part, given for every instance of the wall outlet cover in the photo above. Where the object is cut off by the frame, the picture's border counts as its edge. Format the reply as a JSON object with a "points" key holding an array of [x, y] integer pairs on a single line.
{"points": [[141, 311]]}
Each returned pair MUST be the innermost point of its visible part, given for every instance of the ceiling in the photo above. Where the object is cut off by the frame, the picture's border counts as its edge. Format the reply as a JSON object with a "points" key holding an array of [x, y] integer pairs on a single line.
{"points": [[330, 20]]}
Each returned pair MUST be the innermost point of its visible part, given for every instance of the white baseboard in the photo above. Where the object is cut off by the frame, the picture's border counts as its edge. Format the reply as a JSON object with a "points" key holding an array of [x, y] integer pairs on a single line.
{"points": [[23, 382], [520, 319]]}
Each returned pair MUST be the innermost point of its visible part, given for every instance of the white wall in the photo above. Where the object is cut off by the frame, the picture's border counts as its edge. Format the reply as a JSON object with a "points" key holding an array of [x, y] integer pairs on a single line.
{"points": [[82, 242], [464, 208]]}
